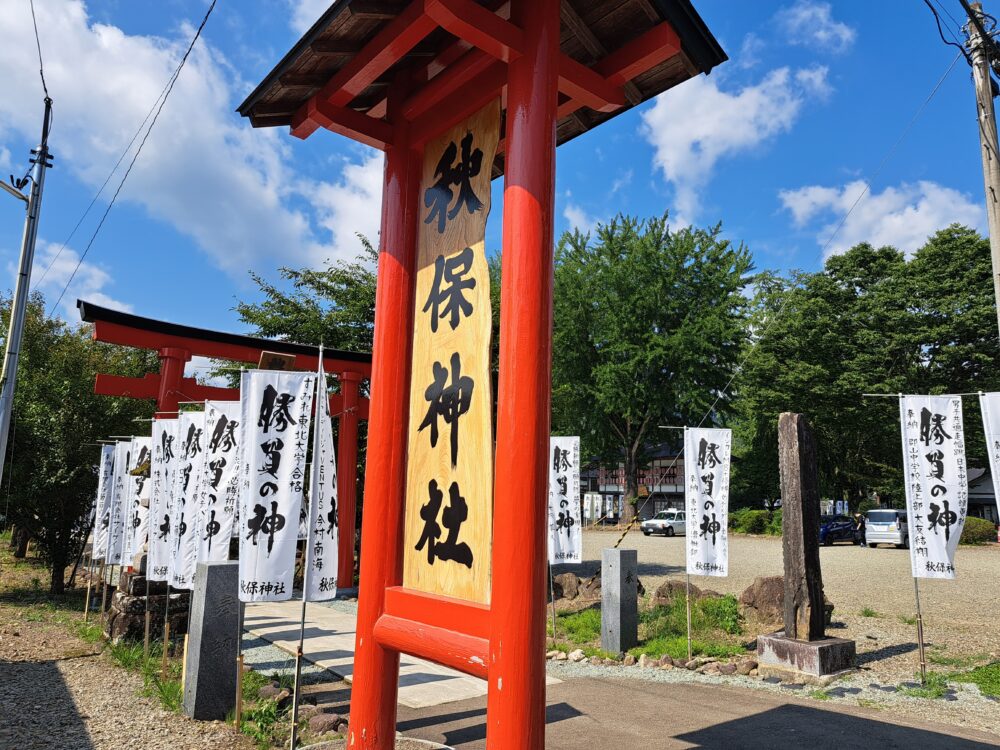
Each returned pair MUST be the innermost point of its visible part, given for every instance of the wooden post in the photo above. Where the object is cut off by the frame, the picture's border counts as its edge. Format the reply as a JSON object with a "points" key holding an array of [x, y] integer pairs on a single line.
{"points": [[803, 613]]}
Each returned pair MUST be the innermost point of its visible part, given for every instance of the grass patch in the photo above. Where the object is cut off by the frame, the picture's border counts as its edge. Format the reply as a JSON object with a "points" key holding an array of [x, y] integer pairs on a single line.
{"points": [[91, 632], [580, 627], [127, 655], [956, 662], [820, 695], [986, 677], [676, 648], [263, 723], [908, 619], [934, 687], [869, 612]]}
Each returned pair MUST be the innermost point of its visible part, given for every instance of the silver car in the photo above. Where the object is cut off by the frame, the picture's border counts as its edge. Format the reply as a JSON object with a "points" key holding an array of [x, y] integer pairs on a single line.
{"points": [[666, 522], [887, 526]]}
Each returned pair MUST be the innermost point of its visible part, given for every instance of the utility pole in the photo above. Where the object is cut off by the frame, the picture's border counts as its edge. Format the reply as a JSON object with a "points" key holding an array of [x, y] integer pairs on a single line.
{"points": [[19, 305], [980, 47]]}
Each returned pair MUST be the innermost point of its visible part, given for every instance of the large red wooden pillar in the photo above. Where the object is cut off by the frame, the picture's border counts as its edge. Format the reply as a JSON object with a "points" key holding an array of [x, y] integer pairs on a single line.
{"points": [[172, 361], [347, 477], [515, 716], [373, 699]]}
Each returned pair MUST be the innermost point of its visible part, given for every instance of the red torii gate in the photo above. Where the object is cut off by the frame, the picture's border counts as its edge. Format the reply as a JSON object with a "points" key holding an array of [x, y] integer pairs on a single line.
{"points": [[396, 74], [177, 344]]}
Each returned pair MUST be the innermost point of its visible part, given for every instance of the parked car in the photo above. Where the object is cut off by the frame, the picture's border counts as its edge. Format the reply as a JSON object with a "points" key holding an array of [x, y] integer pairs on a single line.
{"points": [[836, 529], [887, 526], [666, 522]]}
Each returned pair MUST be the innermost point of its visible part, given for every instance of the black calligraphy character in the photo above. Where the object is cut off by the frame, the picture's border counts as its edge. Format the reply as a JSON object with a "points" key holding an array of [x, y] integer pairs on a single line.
{"points": [[563, 485], [429, 514], [560, 460], [186, 474], [212, 528], [709, 481], [192, 445], [106, 521], [165, 526], [707, 455], [944, 518], [216, 468], [274, 410], [447, 401], [256, 523], [228, 441], [932, 427], [272, 456], [181, 529], [450, 272], [217, 433], [439, 195], [273, 523], [167, 444], [267, 407], [331, 519], [936, 459], [452, 519], [565, 521], [712, 527]]}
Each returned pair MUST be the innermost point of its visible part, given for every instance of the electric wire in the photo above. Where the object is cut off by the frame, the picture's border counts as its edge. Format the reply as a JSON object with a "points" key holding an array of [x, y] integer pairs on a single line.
{"points": [[38, 45], [128, 171], [758, 337], [949, 42]]}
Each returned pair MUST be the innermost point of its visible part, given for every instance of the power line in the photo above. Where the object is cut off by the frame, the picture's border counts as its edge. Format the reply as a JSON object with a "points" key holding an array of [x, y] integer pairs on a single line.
{"points": [[783, 303], [38, 44], [128, 171], [949, 42]]}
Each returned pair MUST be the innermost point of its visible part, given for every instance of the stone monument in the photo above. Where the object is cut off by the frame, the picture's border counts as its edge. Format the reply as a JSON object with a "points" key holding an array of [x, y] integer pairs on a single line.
{"points": [[619, 600], [801, 652], [210, 659]]}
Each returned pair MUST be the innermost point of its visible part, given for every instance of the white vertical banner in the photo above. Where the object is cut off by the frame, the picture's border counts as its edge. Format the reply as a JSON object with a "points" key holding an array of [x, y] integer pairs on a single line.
{"points": [[137, 521], [707, 454], [276, 409], [102, 514], [565, 529], [937, 490], [320, 580], [119, 498], [165, 446], [185, 517], [220, 480], [989, 403]]}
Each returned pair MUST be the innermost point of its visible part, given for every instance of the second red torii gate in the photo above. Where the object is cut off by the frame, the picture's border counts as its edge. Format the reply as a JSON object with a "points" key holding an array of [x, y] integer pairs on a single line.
{"points": [[177, 344]]}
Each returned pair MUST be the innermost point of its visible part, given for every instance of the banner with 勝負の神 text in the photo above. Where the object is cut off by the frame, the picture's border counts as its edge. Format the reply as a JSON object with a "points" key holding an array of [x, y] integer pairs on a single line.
{"points": [[275, 408], [102, 513], [936, 482], [219, 487], [117, 507], [161, 472], [186, 510], [321, 578], [707, 454], [565, 529]]}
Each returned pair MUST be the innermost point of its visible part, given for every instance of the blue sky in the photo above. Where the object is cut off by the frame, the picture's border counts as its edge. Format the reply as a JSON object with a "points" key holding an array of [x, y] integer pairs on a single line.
{"points": [[775, 143]]}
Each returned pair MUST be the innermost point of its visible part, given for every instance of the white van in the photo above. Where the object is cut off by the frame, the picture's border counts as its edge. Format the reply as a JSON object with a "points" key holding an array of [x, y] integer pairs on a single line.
{"points": [[887, 526]]}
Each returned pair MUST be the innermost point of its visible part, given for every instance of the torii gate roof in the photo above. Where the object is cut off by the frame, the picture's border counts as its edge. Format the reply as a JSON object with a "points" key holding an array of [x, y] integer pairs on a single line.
{"points": [[616, 55]]}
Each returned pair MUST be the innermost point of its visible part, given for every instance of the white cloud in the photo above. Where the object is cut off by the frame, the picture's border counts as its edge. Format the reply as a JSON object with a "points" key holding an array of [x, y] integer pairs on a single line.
{"points": [[200, 368], [5, 161], [811, 24], [622, 181], [750, 49], [306, 12], [90, 281], [204, 170], [579, 219], [903, 216], [693, 126], [345, 208]]}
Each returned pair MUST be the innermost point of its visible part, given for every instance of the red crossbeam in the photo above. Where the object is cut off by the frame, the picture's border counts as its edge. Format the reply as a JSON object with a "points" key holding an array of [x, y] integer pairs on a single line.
{"points": [[449, 648], [344, 121]]}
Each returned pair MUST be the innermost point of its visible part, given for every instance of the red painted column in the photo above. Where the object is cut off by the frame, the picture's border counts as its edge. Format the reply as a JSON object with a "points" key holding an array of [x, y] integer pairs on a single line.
{"points": [[172, 361], [376, 669], [515, 715], [347, 478]]}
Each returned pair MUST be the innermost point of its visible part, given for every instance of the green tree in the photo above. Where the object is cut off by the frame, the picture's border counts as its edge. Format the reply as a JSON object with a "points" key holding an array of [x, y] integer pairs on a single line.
{"points": [[649, 325], [52, 458]]}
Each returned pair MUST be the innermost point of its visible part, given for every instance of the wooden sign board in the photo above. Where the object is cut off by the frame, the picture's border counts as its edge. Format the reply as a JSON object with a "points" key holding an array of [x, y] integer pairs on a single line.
{"points": [[449, 488], [276, 361]]}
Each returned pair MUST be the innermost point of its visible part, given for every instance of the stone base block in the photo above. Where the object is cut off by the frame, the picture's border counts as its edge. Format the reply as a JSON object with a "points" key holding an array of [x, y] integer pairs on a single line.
{"points": [[810, 662]]}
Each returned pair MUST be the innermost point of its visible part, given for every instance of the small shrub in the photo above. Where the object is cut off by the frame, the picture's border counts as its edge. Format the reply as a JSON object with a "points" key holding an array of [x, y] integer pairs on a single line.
{"points": [[908, 619], [127, 655], [749, 521], [260, 722], [774, 525], [934, 687], [978, 531], [869, 612], [820, 695], [986, 677], [722, 613]]}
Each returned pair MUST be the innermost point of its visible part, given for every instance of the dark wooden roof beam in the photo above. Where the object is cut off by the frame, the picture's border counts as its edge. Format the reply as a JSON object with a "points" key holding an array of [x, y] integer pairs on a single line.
{"points": [[395, 39], [593, 45], [335, 47], [374, 10]]}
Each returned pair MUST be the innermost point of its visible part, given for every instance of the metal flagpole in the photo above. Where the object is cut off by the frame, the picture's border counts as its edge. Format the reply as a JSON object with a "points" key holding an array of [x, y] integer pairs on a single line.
{"points": [[90, 580], [552, 596], [313, 491], [145, 641], [166, 635], [920, 633], [239, 665], [104, 589], [687, 575]]}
